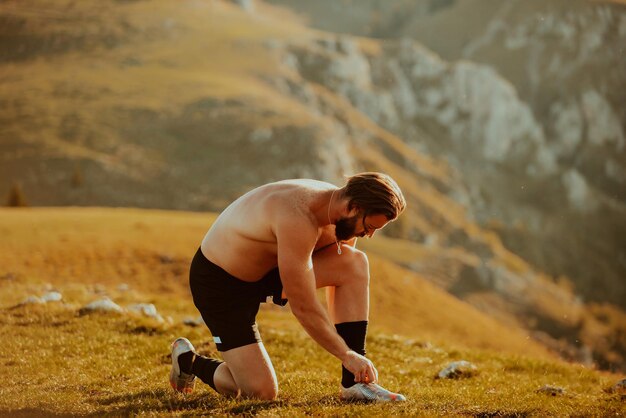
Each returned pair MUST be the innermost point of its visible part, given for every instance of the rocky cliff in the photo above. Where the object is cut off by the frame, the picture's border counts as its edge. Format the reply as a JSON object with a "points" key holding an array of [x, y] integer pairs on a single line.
{"points": [[526, 100]]}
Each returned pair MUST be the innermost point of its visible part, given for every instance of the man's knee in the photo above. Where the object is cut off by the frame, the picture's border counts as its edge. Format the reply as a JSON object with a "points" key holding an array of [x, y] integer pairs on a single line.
{"points": [[358, 265], [267, 391]]}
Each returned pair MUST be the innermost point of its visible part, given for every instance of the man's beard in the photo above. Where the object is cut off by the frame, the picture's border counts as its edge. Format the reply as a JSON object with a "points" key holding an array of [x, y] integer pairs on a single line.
{"points": [[345, 227]]}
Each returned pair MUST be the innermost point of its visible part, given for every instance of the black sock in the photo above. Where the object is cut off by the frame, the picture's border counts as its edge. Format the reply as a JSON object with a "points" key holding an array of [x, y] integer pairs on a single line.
{"points": [[204, 368], [353, 333], [184, 362]]}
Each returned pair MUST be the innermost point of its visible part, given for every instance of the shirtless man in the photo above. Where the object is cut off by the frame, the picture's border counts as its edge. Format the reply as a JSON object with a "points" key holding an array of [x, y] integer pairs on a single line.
{"points": [[286, 239]]}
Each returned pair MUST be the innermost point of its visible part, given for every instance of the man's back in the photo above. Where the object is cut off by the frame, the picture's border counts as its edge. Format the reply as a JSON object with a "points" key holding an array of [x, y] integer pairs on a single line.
{"points": [[242, 239]]}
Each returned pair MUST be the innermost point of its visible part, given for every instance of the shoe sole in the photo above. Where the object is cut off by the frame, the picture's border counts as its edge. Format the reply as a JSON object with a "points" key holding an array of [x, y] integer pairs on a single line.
{"points": [[173, 379]]}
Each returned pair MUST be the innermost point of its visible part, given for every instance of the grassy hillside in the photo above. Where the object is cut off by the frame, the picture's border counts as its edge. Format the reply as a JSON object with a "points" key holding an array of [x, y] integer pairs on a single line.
{"points": [[122, 90], [118, 363], [151, 250], [184, 105], [111, 364]]}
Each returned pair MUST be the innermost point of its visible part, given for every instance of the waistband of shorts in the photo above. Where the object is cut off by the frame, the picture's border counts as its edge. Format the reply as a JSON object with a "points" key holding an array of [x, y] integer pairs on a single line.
{"points": [[202, 266]]}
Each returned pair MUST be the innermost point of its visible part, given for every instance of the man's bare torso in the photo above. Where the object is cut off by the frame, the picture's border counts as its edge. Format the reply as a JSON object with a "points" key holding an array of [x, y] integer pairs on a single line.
{"points": [[242, 241]]}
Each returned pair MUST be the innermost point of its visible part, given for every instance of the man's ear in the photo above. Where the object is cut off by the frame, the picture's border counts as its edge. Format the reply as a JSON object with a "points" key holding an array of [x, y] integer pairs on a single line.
{"points": [[352, 210]]}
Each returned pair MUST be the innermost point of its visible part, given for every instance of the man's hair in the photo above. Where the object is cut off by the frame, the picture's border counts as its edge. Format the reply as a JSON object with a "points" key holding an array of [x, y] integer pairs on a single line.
{"points": [[375, 193]]}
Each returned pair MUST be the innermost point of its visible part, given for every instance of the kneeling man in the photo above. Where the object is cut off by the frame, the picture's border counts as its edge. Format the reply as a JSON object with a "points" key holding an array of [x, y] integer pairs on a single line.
{"points": [[284, 240]]}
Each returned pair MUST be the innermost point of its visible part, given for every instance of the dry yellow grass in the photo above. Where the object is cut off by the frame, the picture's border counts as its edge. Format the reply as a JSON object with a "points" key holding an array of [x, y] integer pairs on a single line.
{"points": [[151, 250], [57, 362]]}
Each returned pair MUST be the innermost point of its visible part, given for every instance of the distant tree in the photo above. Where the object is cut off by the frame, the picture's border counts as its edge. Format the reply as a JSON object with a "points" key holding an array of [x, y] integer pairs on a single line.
{"points": [[77, 177], [16, 196]]}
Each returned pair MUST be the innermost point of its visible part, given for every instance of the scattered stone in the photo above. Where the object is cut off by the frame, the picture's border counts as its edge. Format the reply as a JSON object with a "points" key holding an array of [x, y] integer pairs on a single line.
{"points": [[147, 309], [101, 305], [551, 390], [123, 287], [51, 297], [166, 259], [261, 135], [457, 369], [619, 388], [193, 322], [32, 300], [579, 193]]}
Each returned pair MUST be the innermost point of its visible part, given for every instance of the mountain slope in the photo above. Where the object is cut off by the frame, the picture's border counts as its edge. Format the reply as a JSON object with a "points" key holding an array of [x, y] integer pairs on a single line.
{"points": [[118, 363], [154, 105], [151, 250], [526, 103]]}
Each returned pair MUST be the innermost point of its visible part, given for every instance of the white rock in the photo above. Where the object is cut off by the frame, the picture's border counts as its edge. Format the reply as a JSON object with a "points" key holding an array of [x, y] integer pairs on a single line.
{"points": [[567, 123], [402, 92], [614, 171], [457, 369], [544, 162], [498, 121], [147, 309], [346, 45], [291, 61], [32, 300], [123, 287], [431, 240], [420, 62], [578, 193], [551, 390], [378, 106], [193, 322], [101, 305], [52, 297], [603, 124], [261, 135], [350, 68]]}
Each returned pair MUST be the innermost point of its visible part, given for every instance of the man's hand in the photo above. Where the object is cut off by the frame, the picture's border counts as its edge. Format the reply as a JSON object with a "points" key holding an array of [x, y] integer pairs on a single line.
{"points": [[361, 367]]}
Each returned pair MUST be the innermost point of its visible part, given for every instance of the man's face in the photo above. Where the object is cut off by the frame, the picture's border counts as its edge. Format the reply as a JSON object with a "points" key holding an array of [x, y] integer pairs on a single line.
{"points": [[345, 228], [359, 225]]}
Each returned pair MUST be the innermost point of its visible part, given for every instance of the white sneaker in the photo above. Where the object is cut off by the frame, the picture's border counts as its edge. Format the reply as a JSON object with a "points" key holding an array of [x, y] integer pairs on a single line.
{"points": [[181, 382], [369, 392]]}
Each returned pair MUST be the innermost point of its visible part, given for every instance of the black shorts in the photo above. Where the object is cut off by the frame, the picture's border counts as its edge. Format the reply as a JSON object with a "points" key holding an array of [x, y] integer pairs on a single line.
{"points": [[229, 305]]}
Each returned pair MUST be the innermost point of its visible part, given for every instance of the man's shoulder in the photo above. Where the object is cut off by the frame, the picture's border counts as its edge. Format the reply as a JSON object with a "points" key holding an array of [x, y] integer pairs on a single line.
{"points": [[291, 208], [292, 211]]}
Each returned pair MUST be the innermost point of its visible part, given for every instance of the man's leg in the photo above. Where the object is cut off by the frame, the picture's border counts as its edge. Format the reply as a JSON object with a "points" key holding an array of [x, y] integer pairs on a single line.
{"points": [[246, 370], [251, 370], [211, 371], [346, 278]]}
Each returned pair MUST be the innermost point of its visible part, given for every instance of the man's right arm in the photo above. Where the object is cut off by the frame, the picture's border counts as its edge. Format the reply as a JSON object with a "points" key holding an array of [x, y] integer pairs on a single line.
{"points": [[296, 241], [295, 247]]}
